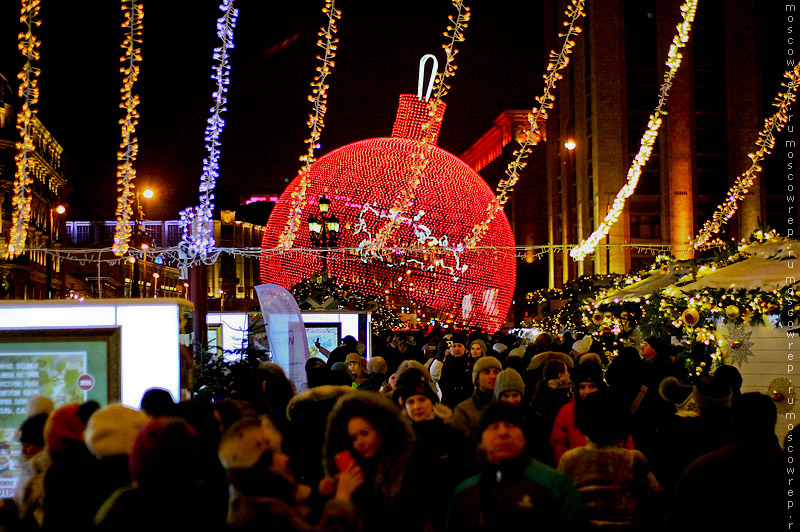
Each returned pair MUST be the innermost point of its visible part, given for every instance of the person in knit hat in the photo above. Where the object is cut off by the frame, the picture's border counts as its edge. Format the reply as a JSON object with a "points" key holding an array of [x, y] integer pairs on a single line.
{"points": [[168, 472], [588, 379], [66, 507], [453, 374], [466, 415], [109, 436], [443, 456], [701, 424], [616, 484], [34, 461], [477, 348], [581, 347], [509, 387], [356, 368], [376, 375], [263, 491], [513, 491]]}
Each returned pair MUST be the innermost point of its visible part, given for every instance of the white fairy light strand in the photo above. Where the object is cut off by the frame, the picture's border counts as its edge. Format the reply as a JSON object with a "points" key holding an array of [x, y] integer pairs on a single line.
{"points": [[316, 121], [765, 143], [419, 158], [674, 57], [129, 147], [198, 234], [29, 90], [537, 116]]}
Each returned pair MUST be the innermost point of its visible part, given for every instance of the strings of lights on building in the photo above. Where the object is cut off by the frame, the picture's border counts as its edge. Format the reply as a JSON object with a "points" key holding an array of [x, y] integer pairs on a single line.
{"points": [[537, 116], [673, 63], [316, 120], [29, 91], [129, 147], [765, 143], [198, 231]]}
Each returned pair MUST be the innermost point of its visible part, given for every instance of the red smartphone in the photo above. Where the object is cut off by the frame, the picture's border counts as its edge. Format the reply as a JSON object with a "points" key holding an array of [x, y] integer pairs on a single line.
{"points": [[343, 460]]}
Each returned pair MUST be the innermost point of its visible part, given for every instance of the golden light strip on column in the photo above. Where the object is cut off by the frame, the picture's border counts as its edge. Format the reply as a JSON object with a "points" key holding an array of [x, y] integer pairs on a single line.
{"points": [[765, 143], [29, 91], [419, 159], [673, 63], [129, 147], [537, 116], [316, 121]]}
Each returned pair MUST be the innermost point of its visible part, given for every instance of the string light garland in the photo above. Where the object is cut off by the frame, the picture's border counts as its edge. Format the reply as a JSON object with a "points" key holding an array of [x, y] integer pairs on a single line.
{"points": [[198, 229], [537, 116], [316, 121], [765, 143], [29, 90], [673, 63], [430, 131], [129, 147]]}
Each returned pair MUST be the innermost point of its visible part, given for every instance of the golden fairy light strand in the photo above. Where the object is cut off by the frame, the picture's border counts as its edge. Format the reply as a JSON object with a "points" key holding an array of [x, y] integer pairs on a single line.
{"points": [[419, 158], [29, 91], [537, 116], [129, 147], [316, 121], [765, 143], [674, 57]]}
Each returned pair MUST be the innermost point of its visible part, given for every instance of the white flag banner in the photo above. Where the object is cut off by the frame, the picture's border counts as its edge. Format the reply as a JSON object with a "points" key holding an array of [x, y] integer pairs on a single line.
{"points": [[285, 330]]}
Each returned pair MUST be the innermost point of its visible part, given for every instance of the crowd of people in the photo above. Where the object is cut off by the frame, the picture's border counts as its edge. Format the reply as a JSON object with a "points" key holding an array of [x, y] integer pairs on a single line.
{"points": [[454, 432]]}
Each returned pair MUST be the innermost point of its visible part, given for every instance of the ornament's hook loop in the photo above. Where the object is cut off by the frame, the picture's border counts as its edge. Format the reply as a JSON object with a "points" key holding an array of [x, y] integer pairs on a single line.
{"points": [[421, 80]]}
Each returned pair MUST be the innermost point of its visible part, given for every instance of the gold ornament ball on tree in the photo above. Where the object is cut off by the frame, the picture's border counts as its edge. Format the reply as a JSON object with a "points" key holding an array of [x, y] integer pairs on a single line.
{"points": [[732, 312], [690, 317], [597, 318]]}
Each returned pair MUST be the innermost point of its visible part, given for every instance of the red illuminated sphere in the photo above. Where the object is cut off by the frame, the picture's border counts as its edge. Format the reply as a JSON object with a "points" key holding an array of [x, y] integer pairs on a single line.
{"points": [[453, 198]]}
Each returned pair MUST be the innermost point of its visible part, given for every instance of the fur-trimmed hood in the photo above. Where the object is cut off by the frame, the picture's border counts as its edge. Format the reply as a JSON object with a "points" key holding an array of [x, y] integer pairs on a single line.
{"points": [[394, 428], [317, 397]]}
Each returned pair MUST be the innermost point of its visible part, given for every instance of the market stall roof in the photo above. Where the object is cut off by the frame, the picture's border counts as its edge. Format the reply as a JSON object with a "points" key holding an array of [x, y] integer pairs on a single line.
{"points": [[766, 268], [661, 278]]}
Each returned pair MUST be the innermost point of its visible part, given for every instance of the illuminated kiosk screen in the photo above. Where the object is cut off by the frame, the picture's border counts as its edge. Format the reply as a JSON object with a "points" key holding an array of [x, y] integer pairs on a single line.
{"points": [[328, 334], [65, 365]]}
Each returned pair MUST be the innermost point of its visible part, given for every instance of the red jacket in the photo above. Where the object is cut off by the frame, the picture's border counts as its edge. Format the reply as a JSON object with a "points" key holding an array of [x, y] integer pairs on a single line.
{"points": [[566, 435]]}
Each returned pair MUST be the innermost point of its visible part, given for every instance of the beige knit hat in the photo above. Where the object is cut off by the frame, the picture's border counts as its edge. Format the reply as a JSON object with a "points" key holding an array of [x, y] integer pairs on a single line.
{"points": [[112, 430]]}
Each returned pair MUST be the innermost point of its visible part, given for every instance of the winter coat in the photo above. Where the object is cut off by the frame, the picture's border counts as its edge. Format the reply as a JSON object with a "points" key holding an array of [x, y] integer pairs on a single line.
{"points": [[442, 458], [566, 435], [387, 489], [455, 380], [618, 488], [303, 440], [519, 495], [274, 502], [467, 414], [373, 383], [741, 486]]}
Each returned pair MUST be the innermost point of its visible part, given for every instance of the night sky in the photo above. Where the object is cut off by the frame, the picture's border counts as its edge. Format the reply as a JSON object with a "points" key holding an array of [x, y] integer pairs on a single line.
{"points": [[500, 67], [273, 63]]}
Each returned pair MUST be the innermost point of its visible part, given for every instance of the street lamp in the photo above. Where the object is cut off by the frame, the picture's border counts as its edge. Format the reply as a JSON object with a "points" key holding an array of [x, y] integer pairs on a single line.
{"points": [[324, 231], [155, 285], [570, 144]]}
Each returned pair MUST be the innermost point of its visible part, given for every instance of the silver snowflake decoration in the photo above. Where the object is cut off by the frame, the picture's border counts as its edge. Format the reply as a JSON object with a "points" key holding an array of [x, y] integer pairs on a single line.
{"points": [[736, 345]]}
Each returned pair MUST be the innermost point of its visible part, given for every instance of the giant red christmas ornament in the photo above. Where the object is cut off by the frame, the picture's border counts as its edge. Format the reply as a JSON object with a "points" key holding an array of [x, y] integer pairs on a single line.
{"points": [[469, 288]]}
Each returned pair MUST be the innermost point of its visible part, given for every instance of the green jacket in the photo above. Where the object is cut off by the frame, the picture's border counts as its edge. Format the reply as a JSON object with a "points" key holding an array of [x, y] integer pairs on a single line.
{"points": [[521, 494]]}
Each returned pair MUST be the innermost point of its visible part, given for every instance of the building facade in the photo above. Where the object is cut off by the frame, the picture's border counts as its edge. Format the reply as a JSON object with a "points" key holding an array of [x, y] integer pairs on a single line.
{"points": [[608, 93], [36, 273]]}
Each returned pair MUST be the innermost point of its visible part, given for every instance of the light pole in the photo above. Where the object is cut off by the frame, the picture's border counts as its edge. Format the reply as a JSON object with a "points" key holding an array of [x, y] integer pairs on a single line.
{"points": [[324, 230], [59, 209], [140, 240], [155, 285]]}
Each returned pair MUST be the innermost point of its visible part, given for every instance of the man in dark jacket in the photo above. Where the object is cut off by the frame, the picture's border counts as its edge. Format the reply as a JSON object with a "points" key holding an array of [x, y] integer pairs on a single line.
{"points": [[339, 354], [513, 492]]}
